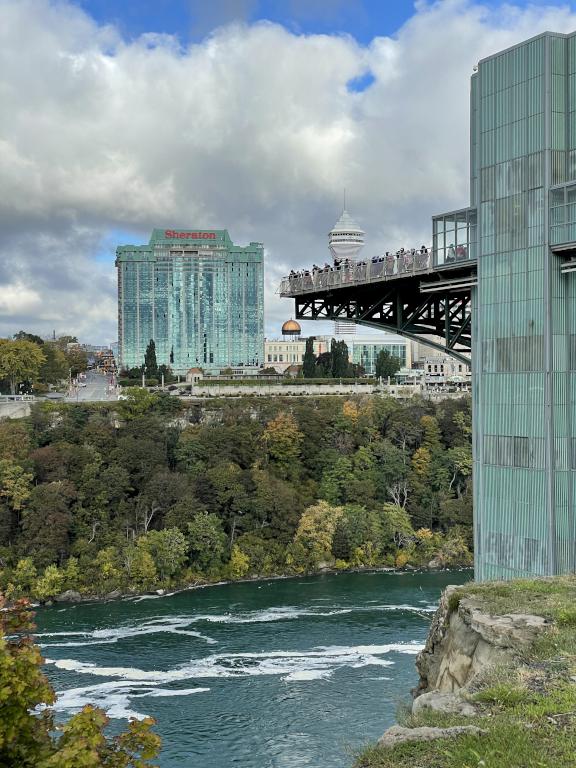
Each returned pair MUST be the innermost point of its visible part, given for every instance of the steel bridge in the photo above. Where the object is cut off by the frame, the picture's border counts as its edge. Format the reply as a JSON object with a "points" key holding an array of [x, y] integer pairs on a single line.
{"points": [[412, 295]]}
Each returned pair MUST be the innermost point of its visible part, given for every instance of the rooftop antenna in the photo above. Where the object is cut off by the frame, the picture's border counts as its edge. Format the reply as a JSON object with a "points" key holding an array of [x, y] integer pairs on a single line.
{"points": [[344, 206]]}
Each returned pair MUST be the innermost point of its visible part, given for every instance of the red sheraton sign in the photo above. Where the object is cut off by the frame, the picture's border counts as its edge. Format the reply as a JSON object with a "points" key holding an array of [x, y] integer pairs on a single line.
{"points": [[171, 233]]}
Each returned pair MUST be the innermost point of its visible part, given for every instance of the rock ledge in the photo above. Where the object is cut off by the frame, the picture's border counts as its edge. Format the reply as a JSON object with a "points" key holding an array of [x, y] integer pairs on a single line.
{"points": [[400, 735]]}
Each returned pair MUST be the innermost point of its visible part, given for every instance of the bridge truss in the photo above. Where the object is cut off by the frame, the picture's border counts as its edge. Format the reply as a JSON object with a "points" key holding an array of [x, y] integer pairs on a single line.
{"points": [[436, 303]]}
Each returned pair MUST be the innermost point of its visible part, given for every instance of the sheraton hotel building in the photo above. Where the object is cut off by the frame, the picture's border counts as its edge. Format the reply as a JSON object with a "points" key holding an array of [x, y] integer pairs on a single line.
{"points": [[197, 295]]}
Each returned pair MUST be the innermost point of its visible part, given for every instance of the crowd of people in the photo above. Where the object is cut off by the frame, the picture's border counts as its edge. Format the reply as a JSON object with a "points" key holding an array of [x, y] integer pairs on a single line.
{"points": [[388, 264]]}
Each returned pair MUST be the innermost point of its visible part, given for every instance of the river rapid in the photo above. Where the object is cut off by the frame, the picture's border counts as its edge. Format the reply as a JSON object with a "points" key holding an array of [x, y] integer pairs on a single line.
{"points": [[273, 674]]}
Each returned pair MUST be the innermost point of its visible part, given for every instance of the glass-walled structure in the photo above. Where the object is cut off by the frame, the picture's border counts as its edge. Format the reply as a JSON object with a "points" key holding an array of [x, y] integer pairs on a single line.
{"points": [[199, 296], [563, 214], [454, 237], [365, 351], [524, 310]]}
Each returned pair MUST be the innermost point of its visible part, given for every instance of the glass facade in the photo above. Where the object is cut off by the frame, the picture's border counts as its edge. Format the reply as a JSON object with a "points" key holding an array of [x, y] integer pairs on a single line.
{"points": [[523, 141], [454, 237], [199, 296], [365, 352]]}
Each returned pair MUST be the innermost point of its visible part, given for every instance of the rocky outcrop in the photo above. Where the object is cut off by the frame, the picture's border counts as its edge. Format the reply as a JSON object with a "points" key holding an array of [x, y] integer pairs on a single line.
{"points": [[70, 596], [400, 735], [447, 703], [464, 640]]}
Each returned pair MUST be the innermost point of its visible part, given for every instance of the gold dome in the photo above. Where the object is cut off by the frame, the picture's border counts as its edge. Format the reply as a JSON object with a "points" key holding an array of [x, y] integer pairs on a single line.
{"points": [[291, 328]]}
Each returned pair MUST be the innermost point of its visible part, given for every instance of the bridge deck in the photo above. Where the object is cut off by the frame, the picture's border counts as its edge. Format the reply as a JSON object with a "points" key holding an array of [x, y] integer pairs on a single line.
{"points": [[367, 273]]}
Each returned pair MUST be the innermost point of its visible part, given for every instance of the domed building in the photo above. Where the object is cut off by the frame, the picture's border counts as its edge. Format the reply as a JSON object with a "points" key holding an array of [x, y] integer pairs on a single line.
{"points": [[291, 329]]}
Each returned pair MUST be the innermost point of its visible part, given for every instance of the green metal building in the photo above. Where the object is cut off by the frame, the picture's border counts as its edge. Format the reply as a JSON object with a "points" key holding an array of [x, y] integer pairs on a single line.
{"points": [[199, 296], [521, 227]]}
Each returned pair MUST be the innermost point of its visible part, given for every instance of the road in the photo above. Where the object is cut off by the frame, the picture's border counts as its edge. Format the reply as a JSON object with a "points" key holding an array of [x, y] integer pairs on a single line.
{"points": [[96, 389]]}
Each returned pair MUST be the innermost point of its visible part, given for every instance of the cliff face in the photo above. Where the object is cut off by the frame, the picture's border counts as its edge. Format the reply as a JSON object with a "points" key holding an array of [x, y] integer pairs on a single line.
{"points": [[497, 679], [464, 641]]}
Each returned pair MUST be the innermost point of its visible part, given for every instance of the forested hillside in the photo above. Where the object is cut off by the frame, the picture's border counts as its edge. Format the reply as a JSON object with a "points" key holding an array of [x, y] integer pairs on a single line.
{"points": [[144, 493]]}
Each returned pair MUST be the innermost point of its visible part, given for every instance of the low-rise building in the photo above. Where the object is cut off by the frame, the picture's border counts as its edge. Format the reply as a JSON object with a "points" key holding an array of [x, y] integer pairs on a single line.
{"points": [[362, 350], [442, 368]]}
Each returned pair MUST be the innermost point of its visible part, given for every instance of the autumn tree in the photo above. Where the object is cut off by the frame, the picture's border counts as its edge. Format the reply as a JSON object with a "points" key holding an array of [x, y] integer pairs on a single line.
{"points": [[315, 533], [27, 739], [283, 439], [20, 360]]}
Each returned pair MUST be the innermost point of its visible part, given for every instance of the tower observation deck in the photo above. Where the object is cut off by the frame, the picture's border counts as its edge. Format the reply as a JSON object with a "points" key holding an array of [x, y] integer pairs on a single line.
{"points": [[498, 285]]}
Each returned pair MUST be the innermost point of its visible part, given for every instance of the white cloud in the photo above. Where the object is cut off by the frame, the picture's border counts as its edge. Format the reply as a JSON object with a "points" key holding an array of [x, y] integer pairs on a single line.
{"points": [[253, 129]]}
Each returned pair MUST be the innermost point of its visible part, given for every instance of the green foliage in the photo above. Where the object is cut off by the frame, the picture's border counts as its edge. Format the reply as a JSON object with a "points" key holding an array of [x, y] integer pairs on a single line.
{"points": [[20, 361], [168, 549], [207, 541], [138, 402], [27, 739], [387, 364], [309, 359], [340, 362], [99, 498], [150, 363]]}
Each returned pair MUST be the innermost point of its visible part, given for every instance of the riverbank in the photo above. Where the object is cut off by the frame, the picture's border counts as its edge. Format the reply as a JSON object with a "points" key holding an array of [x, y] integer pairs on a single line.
{"points": [[498, 677], [73, 596]]}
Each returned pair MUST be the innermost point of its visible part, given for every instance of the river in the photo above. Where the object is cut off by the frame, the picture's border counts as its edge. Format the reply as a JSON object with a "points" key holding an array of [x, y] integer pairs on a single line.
{"points": [[273, 674]]}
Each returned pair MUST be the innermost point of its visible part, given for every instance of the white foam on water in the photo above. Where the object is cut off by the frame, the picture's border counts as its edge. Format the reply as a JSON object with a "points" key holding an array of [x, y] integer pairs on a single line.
{"points": [[288, 612], [308, 674], [177, 625], [250, 664], [114, 697]]}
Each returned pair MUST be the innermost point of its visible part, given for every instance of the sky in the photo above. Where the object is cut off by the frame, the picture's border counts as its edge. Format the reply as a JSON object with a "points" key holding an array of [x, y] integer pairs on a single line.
{"points": [[250, 115]]}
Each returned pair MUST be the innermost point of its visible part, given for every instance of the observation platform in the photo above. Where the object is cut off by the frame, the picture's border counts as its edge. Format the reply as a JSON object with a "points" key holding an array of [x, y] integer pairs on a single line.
{"points": [[420, 292]]}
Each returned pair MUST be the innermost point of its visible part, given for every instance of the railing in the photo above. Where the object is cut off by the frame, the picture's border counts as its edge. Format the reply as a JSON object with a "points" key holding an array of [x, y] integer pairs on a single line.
{"points": [[7, 398], [376, 269]]}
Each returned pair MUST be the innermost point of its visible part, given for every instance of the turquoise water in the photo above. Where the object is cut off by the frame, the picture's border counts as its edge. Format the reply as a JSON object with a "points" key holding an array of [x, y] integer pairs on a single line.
{"points": [[274, 674]]}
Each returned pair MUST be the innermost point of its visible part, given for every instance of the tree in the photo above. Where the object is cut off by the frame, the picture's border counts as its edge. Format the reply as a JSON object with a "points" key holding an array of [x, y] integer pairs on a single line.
{"points": [[55, 367], [207, 541], [15, 484], [25, 336], [315, 532], [150, 363], [324, 365], [309, 359], [168, 549], [27, 739], [19, 361], [50, 583], [340, 362], [47, 522], [239, 564], [77, 360], [387, 364], [138, 402], [282, 439]]}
